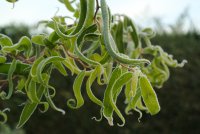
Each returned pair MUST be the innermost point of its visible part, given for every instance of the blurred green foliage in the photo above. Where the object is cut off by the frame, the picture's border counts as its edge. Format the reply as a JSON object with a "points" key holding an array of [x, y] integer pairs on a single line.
{"points": [[5, 129], [179, 98]]}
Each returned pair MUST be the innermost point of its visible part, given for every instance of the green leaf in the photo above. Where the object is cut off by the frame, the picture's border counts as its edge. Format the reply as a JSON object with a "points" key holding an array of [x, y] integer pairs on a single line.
{"points": [[32, 92], [149, 96], [21, 84], [45, 106], [89, 82], [68, 64], [79, 27], [5, 41], [53, 37], [110, 43], [38, 39], [148, 32], [51, 103], [10, 80], [33, 71], [80, 41], [133, 102], [29, 108], [116, 90], [2, 59], [59, 66], [22, 68], [43, 63], [107, 100], [119, 37], [24, 44], [68, 5], [91, 37], [131, 86], [133, 32], [4, 115], [77, 92], [12, 1]]}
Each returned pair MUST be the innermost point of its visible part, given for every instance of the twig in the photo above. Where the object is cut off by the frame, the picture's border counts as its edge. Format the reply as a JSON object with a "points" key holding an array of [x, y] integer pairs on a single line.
{"points": [[76, 58], [3, 81], [72, 56], [21, 58], [125, 66], [97, 9]]}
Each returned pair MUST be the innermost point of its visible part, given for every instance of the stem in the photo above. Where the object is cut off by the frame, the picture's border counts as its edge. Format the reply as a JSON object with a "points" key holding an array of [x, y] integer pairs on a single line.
{"points": [[97, 9], [21, 58], [76, 58]]}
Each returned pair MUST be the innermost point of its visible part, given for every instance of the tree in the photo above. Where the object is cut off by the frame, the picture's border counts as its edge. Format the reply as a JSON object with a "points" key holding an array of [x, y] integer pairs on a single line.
{"points": [[98, 46]]}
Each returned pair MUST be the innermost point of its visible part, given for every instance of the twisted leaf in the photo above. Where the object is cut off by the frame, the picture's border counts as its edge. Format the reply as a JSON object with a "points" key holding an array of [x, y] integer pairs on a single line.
{"points": [[77, 92]]}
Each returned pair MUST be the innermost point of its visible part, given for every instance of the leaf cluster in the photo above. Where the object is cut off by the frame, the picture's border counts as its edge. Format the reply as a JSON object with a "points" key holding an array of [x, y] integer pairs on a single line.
{"points": [[97, 47]]}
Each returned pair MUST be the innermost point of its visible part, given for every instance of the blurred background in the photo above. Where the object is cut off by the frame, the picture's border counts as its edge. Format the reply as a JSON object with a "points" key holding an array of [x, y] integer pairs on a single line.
{"points": [[177, 24]]}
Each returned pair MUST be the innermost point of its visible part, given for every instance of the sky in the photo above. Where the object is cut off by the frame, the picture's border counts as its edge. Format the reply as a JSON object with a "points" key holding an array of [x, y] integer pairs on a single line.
{"points": [[141, 11]]}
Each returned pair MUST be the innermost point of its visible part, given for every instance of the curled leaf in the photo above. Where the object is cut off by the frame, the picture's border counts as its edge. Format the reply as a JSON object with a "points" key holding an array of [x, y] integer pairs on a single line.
{"points": [[51, 103], [45, 106], [4, 115], [107, 100], [10, 80], [32, 91], [29, 108], [24, 44], [92, 77], [77, 92]]}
